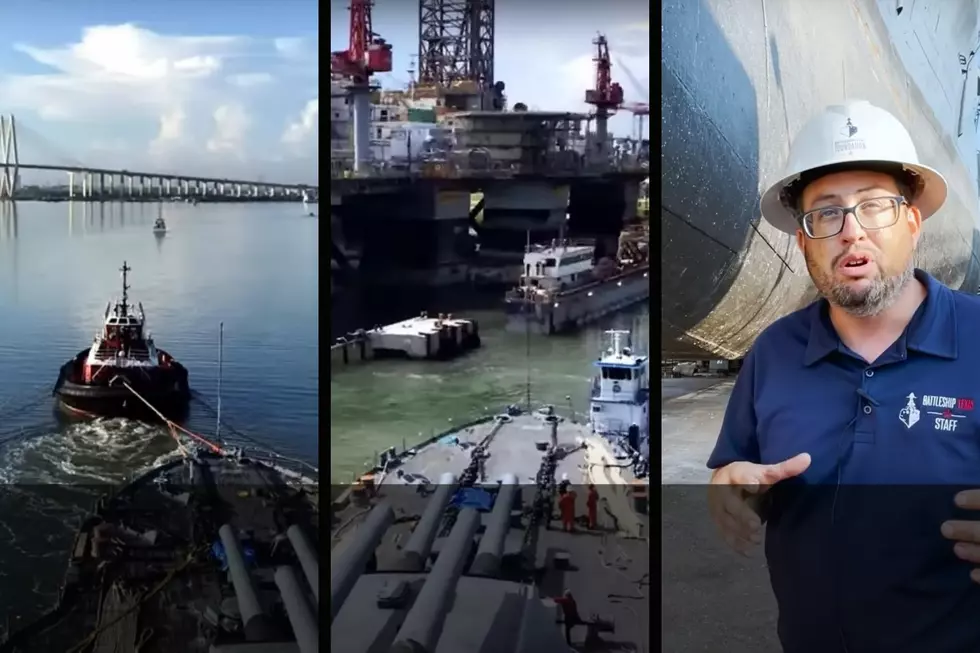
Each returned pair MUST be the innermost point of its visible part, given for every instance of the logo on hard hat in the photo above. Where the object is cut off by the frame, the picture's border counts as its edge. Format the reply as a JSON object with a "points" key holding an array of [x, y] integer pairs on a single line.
{"points": [[849, 144], [848, 130]]}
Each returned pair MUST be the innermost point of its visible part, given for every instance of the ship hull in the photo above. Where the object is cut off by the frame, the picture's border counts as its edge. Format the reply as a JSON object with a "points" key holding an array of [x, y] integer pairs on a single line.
{"points": [[166, 389], [576, 308], [736, 86]]}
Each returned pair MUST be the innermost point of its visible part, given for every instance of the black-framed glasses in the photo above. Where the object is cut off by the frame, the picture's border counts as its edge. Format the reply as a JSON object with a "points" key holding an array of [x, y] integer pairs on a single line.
{"points": [[874, 213]]}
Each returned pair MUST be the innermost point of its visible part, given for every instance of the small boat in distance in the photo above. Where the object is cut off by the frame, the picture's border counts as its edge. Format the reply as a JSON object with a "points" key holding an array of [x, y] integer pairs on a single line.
{"points": [[123, 371], [160, 226]]}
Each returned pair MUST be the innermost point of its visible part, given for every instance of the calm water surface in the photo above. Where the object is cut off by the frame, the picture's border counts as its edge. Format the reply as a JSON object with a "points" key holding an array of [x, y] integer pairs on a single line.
{"points": [[253, 267]]}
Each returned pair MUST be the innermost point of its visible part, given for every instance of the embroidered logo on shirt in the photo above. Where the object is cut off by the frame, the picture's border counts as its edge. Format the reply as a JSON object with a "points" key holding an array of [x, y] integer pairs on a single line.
{"points": [[909, 414], [950, 411]]}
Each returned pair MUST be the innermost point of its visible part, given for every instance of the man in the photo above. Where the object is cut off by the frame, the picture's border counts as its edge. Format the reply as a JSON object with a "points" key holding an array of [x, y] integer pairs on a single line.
{"points": [[592, 504], [570, 615], [566, 506], [872, 386]]}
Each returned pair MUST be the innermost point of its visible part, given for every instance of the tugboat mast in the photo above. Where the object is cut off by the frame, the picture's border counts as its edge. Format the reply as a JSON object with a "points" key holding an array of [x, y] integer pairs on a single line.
{"points": [[125, 296]]}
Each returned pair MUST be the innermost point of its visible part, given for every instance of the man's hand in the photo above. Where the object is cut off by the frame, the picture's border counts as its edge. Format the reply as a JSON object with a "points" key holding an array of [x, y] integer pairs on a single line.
{"points": [[735, 486], [966, 534]]}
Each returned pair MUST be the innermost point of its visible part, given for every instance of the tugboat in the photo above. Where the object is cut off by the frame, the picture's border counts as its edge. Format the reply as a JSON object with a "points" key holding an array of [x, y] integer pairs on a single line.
{"points": [[562, 288], [123, 373]]}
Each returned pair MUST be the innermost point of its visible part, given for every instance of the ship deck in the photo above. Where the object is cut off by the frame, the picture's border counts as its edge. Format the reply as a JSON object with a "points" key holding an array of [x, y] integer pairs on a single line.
{"points": [[606, 569], [142, 575], [512, 450]]}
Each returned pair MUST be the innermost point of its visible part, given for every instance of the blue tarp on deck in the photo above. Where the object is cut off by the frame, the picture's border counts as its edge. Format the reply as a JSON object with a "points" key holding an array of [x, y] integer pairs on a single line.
{"points": [[473, 498]]}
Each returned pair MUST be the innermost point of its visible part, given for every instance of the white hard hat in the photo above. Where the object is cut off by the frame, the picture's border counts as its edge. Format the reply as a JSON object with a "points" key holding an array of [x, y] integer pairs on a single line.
{"points": [[856, 132]]}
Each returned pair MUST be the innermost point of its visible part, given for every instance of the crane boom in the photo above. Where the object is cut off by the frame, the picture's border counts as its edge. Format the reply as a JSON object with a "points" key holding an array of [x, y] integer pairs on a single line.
{"points": [[367, 53]]}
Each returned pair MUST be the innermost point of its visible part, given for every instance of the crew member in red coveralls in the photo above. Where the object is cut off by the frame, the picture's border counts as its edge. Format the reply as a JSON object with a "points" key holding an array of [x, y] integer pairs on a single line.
{"points": [[592, 503]]}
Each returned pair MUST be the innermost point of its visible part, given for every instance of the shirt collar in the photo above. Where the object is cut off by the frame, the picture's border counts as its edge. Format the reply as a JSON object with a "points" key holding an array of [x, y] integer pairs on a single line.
{"points": [[932, 330]]}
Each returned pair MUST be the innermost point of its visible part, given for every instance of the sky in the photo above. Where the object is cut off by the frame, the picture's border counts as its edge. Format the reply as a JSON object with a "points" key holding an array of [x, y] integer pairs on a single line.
{"points": [[230, 88], [543, 48], [208, 87]]}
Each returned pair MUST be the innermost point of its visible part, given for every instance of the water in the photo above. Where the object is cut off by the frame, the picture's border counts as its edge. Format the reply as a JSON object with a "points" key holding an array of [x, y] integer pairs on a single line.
{"points": [[253, 267], [395, 403]]}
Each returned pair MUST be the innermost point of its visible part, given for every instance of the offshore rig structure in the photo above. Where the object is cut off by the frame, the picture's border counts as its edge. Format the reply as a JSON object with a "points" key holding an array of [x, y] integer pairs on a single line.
{"points": [[441, 183]]}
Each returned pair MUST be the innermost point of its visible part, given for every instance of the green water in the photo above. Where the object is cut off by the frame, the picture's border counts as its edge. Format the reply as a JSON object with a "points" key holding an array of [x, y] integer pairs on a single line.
{"points": [[390, 403]]}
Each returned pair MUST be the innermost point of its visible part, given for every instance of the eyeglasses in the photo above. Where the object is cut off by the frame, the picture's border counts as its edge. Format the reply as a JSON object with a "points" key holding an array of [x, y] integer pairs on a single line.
{"points": [[875, 213]]}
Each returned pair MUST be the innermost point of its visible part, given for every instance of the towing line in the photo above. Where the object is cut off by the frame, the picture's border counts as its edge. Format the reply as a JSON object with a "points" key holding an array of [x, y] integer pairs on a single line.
{"points": [[173, 426]]}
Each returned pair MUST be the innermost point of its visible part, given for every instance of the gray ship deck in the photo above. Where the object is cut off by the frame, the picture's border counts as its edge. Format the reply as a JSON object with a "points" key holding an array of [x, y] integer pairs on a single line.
{"points": [[143, 575], [508, 609], [512, 450], [713, 599]]}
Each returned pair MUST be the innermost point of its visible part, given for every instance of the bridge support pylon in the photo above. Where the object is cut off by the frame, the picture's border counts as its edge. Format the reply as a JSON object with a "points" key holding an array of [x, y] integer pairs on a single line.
{"points": [[10, 166]]}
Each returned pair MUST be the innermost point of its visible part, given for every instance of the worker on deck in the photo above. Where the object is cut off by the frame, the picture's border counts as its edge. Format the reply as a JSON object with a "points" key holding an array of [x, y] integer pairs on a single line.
{"points": [[592, 504], [570, 615], [852, 418], [566, 506]]}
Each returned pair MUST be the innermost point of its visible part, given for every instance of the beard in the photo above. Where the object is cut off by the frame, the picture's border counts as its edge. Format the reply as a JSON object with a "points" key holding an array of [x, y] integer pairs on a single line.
{"points": [[860, 302]]}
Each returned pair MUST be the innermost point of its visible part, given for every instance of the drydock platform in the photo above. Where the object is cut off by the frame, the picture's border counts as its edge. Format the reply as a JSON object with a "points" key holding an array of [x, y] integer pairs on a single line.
{"points": [[418, 564], [713, 598], [421, 337]]}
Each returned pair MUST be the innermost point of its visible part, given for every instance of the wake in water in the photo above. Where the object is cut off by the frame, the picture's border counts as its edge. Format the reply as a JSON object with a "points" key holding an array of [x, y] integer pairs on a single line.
{"points": [[104, 451], [48, 483]]}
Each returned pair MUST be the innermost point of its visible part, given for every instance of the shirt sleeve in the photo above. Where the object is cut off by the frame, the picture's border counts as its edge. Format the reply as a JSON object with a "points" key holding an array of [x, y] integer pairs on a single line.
{"points": [[738, 440]]}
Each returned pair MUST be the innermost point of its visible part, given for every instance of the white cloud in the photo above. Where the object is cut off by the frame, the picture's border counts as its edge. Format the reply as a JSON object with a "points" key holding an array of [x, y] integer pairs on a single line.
{"points": [[559, 71], [174, 100], [231, 123], [248, 80], [305, 128], [170, 132]]}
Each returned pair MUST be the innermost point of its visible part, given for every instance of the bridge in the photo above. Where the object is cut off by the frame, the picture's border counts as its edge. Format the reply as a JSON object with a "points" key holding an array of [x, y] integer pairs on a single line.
{"points": [[94, 183]]}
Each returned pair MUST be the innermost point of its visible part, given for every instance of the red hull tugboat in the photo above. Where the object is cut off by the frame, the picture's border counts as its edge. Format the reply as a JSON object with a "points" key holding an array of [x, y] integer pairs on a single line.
{"points": [[94, 383]]}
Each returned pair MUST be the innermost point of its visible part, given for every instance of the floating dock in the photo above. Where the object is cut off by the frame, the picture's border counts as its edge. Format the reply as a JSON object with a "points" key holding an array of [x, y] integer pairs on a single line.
{"points": [[421, 338]]}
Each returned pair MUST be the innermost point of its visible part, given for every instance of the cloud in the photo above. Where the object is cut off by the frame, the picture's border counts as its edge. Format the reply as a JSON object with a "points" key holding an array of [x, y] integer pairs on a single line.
{"points": [[174, 100], [305, 128], [248, 80], [231, 123], [555, 76]]}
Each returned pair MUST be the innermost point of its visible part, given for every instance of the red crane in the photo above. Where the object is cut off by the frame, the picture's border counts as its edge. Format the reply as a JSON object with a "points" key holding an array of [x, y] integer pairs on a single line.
{"points": [[367, 53], [607, 94]]}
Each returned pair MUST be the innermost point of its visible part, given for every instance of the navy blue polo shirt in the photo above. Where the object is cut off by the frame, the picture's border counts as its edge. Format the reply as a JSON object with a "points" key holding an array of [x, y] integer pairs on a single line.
{"points": [[854, 549]]}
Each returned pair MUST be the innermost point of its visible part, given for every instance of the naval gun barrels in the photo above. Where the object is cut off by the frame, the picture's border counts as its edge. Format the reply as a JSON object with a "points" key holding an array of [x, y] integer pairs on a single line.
{"points": [[490, 552], [308, 559], [351, 562], [423, 623], [298, 610], [254, 621], [420, 543]]}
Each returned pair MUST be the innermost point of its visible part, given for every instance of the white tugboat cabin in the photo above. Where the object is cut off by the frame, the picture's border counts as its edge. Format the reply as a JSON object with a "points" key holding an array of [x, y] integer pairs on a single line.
{"points": [[123, 341], [620, 407]]}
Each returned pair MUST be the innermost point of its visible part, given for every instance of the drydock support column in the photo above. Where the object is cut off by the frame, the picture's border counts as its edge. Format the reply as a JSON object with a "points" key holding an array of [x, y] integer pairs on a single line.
{"points": [[361, 101], [254, 620]]}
